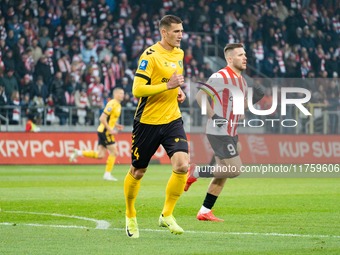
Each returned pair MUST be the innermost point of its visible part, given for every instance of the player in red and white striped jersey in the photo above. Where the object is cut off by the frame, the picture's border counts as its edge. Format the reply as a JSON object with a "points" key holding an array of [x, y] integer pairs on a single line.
{"points": [[225, 109], [222, 135]]}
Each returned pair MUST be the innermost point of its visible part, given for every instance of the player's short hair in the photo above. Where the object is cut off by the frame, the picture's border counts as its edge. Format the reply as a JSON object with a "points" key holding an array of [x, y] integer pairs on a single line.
{"points": [[230, 47], [167, 20], [117, 89]]}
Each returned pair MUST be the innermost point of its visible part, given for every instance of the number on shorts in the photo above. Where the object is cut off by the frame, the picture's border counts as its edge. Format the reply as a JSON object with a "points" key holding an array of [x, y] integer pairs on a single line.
{"points": [[231, 149], [136, 153]]}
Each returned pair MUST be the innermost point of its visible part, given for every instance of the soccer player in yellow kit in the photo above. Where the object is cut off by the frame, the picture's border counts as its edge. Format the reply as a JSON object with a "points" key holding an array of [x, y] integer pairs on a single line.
{"points": [[158, 122], [106, 134]]}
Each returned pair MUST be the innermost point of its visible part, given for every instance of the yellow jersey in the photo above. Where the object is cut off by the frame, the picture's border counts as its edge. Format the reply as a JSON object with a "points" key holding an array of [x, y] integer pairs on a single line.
{"points": [[156, 65], [112, 110]]}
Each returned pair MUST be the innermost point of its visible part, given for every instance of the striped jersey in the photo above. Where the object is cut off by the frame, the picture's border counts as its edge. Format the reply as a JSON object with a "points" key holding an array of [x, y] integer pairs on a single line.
{"points": [[225, 106]]}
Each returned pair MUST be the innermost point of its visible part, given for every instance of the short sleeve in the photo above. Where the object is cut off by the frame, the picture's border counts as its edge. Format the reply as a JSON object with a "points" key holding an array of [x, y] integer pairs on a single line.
{"points": [[145, 66], [215, 79], [109, 108]]}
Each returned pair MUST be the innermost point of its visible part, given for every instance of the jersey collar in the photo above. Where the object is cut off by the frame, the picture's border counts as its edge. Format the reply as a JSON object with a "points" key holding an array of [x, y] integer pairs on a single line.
{"points": [[158, 44], [231, 70]]}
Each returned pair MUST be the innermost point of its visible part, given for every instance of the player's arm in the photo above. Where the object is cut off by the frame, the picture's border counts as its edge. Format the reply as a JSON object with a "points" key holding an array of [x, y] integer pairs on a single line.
{"points": [[119, 127], [103, 119], [257, 96], [246, 104], [181, 96], [141, 88]]}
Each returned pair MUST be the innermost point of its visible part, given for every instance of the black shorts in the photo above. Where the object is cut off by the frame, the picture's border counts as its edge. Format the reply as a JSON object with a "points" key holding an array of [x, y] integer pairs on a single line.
{"points": [[104, 139], [224, 146], [147, 138]]}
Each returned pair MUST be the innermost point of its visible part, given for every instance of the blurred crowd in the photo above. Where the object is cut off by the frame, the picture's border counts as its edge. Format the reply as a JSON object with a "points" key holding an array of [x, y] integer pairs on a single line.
{"points": [[57, 53]]}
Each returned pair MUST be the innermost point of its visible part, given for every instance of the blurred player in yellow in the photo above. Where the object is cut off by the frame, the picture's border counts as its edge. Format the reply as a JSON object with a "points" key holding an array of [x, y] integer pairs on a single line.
{"points": [[158, 122], [106, 132]]}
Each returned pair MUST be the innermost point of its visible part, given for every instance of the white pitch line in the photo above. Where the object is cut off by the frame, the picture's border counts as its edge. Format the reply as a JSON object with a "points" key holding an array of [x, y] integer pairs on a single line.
{"points": [[41, 225], [244, 233], [189, 231], [101, 224], [6, 223]]}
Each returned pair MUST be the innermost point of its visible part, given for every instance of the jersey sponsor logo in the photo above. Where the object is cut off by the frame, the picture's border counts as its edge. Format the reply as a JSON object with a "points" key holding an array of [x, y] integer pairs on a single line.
{"points": [[143, 65], [180, 63], [109, 109], [180, 140], [149, 52], [173, 65], [164, 80]]}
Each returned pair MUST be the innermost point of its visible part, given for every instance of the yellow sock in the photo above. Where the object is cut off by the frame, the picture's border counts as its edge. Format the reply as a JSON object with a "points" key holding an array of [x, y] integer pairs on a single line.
{"points": [[131, 188], [110, 163], [90, 154], [174, 190]]}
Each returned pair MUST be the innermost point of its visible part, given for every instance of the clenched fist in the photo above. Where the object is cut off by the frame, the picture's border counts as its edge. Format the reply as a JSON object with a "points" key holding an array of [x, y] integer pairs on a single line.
{"points": [[175, 81]]}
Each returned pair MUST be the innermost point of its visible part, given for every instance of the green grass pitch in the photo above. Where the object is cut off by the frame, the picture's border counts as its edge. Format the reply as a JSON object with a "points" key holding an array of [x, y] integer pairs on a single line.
{"points": [[260, 214]]}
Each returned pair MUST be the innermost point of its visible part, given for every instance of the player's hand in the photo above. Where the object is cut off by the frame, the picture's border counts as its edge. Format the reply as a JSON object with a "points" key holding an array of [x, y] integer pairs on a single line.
{"points": [[175, 81], [220, 121], [113, 132], [119, 127], [257, 94], [181, 96]]}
